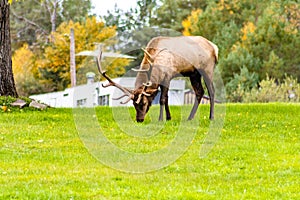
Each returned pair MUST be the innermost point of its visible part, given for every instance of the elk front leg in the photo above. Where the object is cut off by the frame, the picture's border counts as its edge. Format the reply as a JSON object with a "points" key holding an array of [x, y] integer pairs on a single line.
{"points": [[168, 114], [164, 103]]}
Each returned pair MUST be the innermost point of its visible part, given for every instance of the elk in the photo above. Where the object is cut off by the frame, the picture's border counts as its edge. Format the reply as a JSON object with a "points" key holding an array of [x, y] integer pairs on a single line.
{"points": [[164, 59]]}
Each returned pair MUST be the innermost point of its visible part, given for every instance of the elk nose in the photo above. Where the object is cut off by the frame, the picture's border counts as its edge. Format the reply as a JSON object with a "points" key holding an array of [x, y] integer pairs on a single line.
{"points": [[139, 120]]}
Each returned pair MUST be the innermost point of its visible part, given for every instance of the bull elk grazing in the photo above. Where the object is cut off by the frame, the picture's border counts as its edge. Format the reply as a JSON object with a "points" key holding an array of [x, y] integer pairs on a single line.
{"points": [[164, 59]]}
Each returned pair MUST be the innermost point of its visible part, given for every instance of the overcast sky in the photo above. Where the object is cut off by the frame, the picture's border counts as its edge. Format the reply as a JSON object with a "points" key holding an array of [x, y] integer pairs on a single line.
{"points": [[101, 6]]}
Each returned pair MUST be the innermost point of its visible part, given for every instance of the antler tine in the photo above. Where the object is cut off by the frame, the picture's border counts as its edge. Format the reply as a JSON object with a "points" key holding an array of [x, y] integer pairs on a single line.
{"points": [[149, 61], [118, 98], [149, 84], [151, 57], [127, 91], [139, 99], [146, 94], [125, 102], [143, 70], [98, 61], [148, 54], [103, 73], [111, 83]]}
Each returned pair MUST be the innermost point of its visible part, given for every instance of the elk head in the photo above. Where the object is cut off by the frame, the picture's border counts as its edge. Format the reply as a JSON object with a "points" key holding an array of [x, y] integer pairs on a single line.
{"points": [[142, 102], [142, 97]]}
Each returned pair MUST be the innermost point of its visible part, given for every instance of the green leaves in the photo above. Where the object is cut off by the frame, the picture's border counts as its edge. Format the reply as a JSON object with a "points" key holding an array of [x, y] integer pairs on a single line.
{"points": [[264, 37], [240, 84]]}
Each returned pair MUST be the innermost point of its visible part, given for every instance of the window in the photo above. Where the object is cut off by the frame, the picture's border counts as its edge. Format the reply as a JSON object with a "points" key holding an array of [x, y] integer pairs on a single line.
{"points": [[103, 100], [81, 102]]}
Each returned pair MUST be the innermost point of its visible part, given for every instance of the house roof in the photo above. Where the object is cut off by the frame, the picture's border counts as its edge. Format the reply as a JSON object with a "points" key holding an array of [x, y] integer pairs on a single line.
{"points": [[104, 54]]}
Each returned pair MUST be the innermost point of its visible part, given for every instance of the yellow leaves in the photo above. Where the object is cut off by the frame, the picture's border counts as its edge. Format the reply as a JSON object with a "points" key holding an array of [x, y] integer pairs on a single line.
{"points": [[55, 62], [4, 108], [116, 66], [249, 27], [228, 5], [293, 13], [186, 24], [86, 34], [223, 5], [22, 62], [190, 21], [93, 27]]}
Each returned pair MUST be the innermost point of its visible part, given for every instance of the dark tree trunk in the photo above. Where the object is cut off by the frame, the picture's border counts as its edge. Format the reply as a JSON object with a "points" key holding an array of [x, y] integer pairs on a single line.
{"points": [[7, 84]]}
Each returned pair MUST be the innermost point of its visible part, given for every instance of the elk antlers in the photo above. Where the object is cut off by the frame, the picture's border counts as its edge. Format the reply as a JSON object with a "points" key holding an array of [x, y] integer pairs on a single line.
{"points": [[127, 92], [151, 57]]}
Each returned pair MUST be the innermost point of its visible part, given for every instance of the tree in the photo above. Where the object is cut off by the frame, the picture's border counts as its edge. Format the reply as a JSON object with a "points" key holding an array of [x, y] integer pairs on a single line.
{"points": [[25, 71], [117, 19], [33, 21], [154, 13], [132, 19], [276, 40], [261, 36], [146, 10], [70, 10], [54, 63], [7, 84], [171, 13], [29, 21]]}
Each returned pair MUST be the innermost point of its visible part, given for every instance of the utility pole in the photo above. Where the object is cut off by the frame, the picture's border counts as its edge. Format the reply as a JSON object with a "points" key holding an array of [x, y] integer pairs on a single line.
{"points": [[72, 58]]}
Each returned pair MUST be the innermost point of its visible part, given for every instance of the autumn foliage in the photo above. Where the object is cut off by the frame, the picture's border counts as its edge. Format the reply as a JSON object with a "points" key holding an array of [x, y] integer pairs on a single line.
{"points": [[261, 37], [257, 40], [48, 69]]}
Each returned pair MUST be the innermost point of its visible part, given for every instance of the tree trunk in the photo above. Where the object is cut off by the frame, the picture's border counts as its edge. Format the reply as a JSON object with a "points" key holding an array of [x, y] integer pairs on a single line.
{"points": [[7, 84], [72, 58]]}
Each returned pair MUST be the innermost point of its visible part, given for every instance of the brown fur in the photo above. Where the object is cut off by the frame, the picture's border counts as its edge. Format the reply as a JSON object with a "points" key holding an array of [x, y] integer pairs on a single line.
{"points": [[191, 56]]}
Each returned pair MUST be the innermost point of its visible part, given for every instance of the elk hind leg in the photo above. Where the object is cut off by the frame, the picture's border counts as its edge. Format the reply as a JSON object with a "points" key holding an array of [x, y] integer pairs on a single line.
{"points": [[211, 91], [199, 92]]}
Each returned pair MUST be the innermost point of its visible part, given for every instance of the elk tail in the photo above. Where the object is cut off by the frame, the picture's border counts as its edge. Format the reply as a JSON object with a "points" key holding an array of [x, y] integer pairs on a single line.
{"points": [[216, 51]]}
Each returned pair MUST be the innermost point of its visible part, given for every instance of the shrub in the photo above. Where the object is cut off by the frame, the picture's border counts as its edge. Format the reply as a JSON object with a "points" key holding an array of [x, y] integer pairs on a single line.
{"points": [[240, 84], [269, 91]]}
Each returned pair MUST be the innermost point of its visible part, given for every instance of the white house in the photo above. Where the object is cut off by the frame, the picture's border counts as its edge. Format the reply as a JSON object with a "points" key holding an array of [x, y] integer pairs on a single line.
{"points": [[93, 94]]}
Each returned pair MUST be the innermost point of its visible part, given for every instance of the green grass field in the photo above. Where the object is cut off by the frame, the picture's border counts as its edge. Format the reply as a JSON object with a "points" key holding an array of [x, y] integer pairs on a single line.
{"points": [[257, 156]]}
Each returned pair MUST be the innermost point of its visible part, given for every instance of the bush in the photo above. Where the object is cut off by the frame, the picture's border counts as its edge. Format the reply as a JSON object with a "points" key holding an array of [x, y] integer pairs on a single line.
{"points": [[270, 91], [240, 84]]}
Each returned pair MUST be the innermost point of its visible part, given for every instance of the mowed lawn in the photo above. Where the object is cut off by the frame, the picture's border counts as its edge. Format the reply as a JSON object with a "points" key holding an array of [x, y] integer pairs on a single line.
{"points": [[257, 156]]}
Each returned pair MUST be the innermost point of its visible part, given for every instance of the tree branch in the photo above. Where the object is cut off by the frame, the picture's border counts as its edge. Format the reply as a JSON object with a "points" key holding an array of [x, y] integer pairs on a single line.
{"points": [[29, 22]]}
